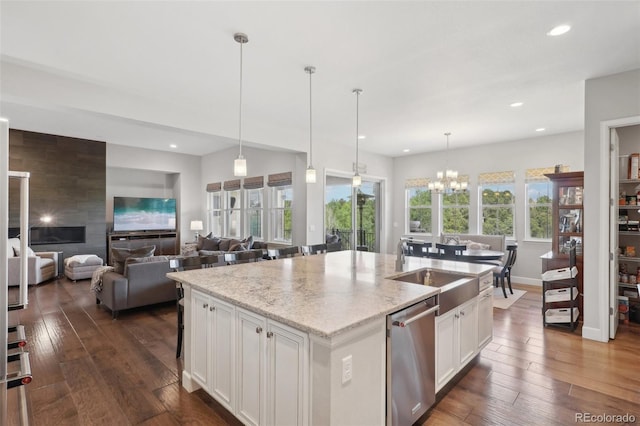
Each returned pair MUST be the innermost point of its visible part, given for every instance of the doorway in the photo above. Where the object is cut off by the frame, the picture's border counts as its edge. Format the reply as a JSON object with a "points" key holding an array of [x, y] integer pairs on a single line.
{"points": [[353, 213]]}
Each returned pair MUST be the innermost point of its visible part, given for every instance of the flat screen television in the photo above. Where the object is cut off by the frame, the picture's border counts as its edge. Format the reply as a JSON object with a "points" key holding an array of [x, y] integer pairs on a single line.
{"points": [[144, 214]]}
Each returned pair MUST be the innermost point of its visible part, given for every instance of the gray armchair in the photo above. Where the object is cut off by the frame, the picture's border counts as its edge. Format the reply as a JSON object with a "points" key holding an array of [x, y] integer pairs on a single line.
{"points": [[140, 284], [42, 266]]}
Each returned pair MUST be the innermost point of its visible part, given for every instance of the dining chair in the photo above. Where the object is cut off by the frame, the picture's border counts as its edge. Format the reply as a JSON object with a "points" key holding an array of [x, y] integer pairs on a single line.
{"points": [[180, 309], [191, 262], [450, 251], [313, 249], [248, 256], [418, 249], [502, 273], [283, 252]]}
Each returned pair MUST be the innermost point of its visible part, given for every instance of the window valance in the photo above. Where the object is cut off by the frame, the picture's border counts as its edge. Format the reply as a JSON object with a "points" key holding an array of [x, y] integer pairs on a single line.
{"points": [[232, 185], [538, 175], [280, 179], [253, 182], [417, 183], [214, 187], [497, 177]]}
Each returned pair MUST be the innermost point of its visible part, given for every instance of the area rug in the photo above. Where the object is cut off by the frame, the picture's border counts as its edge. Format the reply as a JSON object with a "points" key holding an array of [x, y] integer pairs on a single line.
{"points": [[500, 302]]}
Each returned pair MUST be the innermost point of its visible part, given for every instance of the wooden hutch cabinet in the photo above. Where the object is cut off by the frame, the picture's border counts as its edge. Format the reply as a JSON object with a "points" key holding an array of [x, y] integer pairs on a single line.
{"points": [[568, 220]]}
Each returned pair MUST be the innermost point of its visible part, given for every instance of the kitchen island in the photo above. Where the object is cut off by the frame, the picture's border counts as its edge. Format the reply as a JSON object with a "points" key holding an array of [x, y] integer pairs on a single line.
{"points": [[301, 340]]}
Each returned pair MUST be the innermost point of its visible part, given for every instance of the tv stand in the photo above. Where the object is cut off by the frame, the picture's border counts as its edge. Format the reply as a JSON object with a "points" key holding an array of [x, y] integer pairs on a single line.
{"points": [[166, 242]]}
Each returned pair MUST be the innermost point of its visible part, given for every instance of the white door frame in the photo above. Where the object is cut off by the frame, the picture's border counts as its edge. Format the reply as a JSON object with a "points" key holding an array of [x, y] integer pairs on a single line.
{"points": [[608, 307]]}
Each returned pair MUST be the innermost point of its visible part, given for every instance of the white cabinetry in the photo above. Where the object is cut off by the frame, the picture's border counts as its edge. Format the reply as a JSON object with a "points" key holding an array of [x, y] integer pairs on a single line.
{"points": [[485, 317], [213, 325], [456, 340], [273, 363]]}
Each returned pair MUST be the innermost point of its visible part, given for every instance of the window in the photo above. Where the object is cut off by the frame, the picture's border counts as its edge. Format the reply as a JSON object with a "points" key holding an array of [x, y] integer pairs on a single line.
{"points": [[214, 208], [419, 212], [232, 209], [455, 212], [215, 213], [280, 207], [254, 206], [281, 213], [253, 212], [538, 220], [497, 203]]}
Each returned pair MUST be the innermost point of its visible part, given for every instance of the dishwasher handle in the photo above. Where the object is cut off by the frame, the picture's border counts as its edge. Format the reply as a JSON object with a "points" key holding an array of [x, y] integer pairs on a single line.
{"points": [[416, 317]]}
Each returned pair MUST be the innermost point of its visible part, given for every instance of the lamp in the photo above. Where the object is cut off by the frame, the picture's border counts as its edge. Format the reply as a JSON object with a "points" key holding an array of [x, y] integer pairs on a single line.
{"points": [[357, 180], [196, 225], [310, 176], [447, 180], [240, 163]]}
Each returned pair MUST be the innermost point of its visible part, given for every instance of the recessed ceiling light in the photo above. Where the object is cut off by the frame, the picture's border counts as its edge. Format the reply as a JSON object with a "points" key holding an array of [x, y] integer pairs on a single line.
{"points": [[516, 104], [540, 129], [362, 137], [173, 145], [559, 30], [406, 150]]}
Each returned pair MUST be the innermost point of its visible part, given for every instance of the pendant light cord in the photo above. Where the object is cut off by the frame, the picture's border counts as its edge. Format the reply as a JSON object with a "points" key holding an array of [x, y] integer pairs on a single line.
{"points": [[357, 127], [310, 121], [240, 109]]}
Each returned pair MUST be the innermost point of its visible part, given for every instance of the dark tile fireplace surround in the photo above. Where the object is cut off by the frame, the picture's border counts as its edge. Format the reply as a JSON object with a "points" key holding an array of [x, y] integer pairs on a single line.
{"points": [[67, 182]]}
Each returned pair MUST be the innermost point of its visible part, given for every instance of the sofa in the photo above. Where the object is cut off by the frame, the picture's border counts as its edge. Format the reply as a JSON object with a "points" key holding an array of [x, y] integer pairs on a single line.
{"points": [[476, 241], [138, 279], [210, 245], [42, 266]]}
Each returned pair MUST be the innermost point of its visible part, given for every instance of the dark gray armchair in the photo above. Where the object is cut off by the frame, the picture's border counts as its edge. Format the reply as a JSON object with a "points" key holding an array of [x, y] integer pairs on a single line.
{"points": [[141, 284]]}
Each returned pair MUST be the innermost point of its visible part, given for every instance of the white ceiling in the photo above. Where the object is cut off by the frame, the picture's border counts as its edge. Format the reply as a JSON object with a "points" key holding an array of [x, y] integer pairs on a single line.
{"points": [[151, 73]]}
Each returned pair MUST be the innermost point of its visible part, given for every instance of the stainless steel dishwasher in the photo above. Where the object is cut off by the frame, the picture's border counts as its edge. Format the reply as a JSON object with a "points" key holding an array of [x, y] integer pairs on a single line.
{"points": [[411, 388]]}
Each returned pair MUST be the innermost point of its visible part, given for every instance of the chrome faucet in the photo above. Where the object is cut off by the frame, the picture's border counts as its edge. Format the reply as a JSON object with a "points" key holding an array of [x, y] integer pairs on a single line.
{"points": [[400, 255]]}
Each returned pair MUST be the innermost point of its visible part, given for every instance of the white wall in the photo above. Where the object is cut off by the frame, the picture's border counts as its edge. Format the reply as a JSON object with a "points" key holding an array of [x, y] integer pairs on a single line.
{"points": [[606, 98], [149, 173], [308, 205], [517, 156]]}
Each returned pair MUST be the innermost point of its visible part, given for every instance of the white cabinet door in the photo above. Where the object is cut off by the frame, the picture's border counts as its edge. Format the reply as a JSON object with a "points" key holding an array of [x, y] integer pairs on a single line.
{"points": [[287, 358], [446, 347], [485, 318], [200, 338], [222, 350], [250, 408], [468, 330]]}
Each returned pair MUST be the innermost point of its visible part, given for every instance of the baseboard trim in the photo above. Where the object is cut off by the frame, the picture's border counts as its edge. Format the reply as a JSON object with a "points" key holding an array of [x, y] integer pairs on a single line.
{"points": [[527, 281], [189, 384], [594, 334]]}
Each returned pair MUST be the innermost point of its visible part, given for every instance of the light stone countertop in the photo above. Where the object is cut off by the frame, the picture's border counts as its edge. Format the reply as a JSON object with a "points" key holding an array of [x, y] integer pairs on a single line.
{"points": [[324, 294]]}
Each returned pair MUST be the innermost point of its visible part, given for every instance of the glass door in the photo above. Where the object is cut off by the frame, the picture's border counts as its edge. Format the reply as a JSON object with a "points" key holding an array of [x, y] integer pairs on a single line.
{"points": [[356, 223]]}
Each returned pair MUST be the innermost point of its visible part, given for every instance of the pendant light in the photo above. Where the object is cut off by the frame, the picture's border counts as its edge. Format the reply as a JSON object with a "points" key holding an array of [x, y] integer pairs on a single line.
{"points": [[357, 179], [310, 176], [240, 163]]}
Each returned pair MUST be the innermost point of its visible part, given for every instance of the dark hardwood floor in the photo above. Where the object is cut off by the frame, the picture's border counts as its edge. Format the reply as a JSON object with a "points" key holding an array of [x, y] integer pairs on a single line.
{"points": [[89, 369]]}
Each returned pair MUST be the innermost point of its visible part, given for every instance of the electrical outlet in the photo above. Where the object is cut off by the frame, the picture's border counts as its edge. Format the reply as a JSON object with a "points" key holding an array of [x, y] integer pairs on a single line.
{"points": [[347, 369]]}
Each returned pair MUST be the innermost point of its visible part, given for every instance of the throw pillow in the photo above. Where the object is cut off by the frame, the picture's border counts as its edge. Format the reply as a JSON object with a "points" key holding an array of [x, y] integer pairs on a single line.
{"points": [[451, 241], [120, 255], [238, 247], [225, 243], [332, 238], [248, 242], [212, 243], [202, 239]]}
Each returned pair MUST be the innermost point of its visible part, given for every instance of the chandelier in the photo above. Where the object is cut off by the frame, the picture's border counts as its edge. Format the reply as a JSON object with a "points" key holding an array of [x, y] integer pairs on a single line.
{"points": [[447, 180]]}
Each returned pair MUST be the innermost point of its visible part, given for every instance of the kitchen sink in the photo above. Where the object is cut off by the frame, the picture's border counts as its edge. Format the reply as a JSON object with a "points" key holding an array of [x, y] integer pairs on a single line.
{"points": [[455, 289]]}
